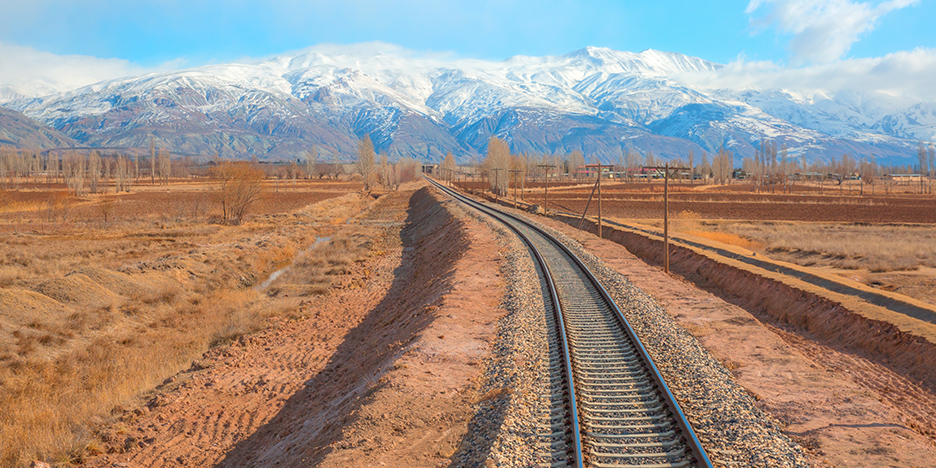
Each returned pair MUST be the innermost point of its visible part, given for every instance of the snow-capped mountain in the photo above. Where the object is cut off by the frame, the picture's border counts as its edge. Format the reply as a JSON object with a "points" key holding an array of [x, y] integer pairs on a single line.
{"points": [[20, 131], [596, 100]]}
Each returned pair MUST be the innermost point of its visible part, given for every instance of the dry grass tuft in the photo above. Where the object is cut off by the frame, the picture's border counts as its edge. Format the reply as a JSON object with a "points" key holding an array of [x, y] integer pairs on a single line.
{"points": [[46, 402], [318, 267]]}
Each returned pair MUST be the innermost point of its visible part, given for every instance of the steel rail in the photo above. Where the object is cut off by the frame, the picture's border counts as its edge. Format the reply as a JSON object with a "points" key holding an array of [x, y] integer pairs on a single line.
{"points": [[574, 432], [630, 416]]}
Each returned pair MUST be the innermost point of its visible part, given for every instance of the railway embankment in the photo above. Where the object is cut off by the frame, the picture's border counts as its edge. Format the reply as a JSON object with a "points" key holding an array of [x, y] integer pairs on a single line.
{"points": [[894, 330]]}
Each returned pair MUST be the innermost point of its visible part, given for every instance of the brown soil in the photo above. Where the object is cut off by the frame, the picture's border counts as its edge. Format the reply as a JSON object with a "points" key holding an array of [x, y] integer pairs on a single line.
{"points": [[382, 370], [43, 208], [846, 409], [619, 203]]}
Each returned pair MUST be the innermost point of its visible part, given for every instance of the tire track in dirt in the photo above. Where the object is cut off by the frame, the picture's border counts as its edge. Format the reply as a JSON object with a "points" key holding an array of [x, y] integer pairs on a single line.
{"points": [[915, 404]]}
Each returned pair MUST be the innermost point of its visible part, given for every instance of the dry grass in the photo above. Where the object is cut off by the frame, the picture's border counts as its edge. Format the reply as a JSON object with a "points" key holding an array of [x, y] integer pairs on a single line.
{"points": [[876, 248], [690, 222], [93, 313], [318, 267], [47, 403], [727, 238]]}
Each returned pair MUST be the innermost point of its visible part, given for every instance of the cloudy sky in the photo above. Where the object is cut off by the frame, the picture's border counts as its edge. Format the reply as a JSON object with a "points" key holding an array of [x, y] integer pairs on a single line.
{"points": [[886, 45]]}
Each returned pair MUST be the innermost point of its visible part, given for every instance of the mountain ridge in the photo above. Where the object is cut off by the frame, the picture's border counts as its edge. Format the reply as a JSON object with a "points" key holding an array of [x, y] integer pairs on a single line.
{"points": [[596, 100]]}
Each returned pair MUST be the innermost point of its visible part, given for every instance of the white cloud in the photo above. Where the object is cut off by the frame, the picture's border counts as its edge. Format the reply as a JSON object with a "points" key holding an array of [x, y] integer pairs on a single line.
{"points": [[823, 30], [32, 72], [905, 74]]}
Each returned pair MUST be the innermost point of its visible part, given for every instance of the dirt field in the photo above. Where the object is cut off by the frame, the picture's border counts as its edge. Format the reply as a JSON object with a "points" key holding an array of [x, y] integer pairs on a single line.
{"points": [[748, 206], [94, 311]]}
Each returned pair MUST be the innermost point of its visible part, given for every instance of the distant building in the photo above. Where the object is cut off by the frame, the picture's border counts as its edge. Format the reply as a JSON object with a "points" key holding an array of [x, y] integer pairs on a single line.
{"points": [[904, 178]]}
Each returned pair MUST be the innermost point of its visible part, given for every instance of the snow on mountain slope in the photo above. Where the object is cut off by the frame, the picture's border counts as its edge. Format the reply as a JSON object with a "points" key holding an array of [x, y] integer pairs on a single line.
{"points": [[593, 99]]}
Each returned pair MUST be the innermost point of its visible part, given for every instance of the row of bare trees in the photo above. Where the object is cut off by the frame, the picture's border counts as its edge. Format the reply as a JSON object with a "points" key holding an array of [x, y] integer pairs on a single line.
{"points": [[382, 172], [770, 167], [85, 173]]}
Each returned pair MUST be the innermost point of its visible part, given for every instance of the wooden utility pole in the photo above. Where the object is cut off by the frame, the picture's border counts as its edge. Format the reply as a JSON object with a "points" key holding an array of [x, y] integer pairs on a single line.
{"points": [[668, 172], [496, 181], [666, 219], [599, 168], [515, 172], [546, 186]]}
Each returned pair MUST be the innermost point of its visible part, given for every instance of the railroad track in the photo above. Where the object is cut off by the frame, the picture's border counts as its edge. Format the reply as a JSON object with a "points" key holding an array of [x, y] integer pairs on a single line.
{"points": [[608, 405]]}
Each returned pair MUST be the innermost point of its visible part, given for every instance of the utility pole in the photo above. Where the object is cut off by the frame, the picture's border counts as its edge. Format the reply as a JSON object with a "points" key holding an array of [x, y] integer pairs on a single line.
{"points": [[546, 187], [666, 219], [515, 172], [599, 168], [496, 180], [668, 172]]}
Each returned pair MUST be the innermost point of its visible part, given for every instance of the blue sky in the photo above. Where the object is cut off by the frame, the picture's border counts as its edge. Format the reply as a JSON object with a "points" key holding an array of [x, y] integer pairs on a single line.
{"points": [[38, 36], [149, 33]]}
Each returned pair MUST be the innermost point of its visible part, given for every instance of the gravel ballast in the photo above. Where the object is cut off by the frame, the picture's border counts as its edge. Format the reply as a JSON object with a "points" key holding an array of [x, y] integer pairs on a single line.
{"points": [[504, 431], [726, 419]]}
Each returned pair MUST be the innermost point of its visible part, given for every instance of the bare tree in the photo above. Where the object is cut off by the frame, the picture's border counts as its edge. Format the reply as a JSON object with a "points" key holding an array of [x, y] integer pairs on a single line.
{"points": [[236, 186], [651, 160], [310, 161], [932, 165], [631, 162], [293, 173], [336, 168], [364, 164], [409, 169], [136, 167], [74, 168], [868, 173], [122, 174], [576, 161], [94, 171], [704, 169], [384, 172], [497, 162], [447, 168], [691, 165], [152, 160], [106, 206], [722, 165], [164, 162]]}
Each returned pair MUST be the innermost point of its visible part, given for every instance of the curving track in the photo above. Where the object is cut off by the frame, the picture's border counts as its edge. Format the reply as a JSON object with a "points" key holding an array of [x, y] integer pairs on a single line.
{"points": [[615, 410]]}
